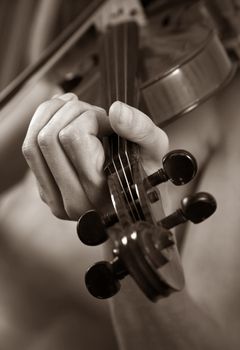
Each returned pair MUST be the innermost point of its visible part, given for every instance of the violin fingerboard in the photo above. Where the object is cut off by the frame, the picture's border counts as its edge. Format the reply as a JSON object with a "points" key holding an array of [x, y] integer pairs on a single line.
{"points": [[119, 62]]}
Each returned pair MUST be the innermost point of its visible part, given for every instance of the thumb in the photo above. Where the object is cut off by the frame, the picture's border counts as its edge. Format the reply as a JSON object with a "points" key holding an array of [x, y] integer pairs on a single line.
{"points": [[133, 125]]}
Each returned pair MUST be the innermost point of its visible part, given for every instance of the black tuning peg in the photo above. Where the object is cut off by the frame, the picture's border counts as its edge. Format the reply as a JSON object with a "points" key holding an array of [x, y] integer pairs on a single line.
{"points": [[179, 167], [92, 228], [196, 208], [102, 279]]}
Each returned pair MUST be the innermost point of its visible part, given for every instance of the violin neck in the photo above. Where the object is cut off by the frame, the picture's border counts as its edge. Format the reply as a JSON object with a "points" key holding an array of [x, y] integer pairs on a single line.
{"points": [[119, 67]]}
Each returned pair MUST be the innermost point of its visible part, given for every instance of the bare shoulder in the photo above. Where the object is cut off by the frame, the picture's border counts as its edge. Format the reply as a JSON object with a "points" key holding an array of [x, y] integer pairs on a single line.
{"points": [[211, 254]]}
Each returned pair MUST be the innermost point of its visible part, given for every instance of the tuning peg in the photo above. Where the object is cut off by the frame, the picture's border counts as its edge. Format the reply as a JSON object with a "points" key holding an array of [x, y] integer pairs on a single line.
{"points": [[179, 167], [196, 208], [102, 279], [92, 228]]}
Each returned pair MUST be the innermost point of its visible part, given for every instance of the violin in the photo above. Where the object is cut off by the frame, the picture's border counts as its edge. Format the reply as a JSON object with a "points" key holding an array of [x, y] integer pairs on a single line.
{"points": [[164, 59], [141, 246]]}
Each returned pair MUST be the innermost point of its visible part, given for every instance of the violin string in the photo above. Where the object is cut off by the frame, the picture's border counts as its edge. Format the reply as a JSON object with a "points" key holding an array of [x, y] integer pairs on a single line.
{"points": [[126, 86], [108, 64], [125, 63], [125, 141], [116, 55]]}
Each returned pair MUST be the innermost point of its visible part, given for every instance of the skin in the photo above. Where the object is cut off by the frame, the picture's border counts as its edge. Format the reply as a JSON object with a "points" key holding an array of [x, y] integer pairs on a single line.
{"points": [[63, 150]]}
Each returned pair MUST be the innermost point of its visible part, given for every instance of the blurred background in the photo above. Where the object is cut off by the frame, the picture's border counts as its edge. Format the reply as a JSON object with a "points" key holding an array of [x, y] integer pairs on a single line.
{"points": [[16, 30]]}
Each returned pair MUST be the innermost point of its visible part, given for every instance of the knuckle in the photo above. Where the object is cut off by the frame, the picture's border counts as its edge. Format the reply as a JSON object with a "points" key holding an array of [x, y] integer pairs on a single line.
{"points": [[68, 96], [44, 106], [88, 122], [70, 135], [65, 135], [48, 107], [82, 104], [73, 107], [27, 150], [44, 138], [79, 130]]}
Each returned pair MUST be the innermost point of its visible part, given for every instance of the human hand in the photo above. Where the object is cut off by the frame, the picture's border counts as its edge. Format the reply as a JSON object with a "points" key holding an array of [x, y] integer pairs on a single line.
{"points": [[64, 150]]}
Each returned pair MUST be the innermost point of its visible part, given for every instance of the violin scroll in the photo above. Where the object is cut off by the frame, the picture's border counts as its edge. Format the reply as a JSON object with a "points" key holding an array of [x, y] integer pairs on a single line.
{"points": [[179, 166], [144, 247], [144, 240]]}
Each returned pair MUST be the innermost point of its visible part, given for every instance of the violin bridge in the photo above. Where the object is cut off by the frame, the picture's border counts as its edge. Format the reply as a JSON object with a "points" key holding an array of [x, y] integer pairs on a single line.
{"points": [[115, 12]]}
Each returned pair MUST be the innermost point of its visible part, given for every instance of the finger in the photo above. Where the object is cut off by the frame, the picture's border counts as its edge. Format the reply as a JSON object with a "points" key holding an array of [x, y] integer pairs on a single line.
{"points": [[137, 127], [45, 112], [49, 193], [80, 140], [75, 200], [35, 159], [132, 124]]}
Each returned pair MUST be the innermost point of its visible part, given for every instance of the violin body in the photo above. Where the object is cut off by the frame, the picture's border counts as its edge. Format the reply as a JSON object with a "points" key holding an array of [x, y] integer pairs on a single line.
{"points": [[182, 62]]}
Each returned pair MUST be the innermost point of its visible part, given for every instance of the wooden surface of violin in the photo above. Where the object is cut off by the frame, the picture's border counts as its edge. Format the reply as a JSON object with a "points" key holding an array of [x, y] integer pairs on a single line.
{"points": [[182, 62]]}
